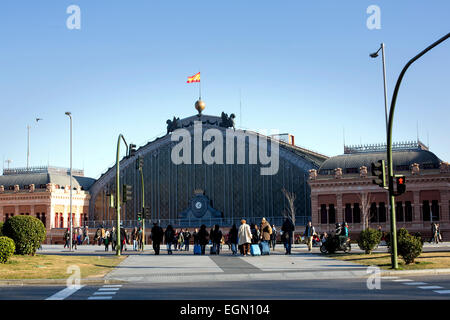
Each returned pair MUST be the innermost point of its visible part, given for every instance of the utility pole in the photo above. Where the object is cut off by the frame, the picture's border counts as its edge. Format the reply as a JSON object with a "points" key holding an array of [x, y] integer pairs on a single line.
{"points": [[118, 190], [70, 210]]}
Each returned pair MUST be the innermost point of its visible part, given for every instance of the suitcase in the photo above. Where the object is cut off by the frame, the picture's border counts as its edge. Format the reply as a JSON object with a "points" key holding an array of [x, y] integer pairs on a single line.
{"points": [[265, 250], [197, 249], [254, 250]]}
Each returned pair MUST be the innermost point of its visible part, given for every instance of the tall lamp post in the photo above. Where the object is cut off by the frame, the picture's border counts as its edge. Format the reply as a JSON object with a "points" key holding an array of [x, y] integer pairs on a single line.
{"points": [[389, 148], [118, 247], [70, 210], [374, 55]]}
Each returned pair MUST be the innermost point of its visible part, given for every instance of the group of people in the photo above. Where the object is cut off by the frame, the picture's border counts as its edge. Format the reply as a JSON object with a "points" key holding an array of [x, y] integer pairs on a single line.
{"points": [[79, 236]]}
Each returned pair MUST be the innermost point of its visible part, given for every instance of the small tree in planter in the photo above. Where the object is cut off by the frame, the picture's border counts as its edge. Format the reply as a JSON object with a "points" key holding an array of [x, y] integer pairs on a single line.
{"points": [[369, 239]]}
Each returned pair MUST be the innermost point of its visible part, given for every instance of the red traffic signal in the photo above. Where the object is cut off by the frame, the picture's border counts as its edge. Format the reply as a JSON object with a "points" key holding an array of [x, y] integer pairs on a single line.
{"points": [[401, 185]]}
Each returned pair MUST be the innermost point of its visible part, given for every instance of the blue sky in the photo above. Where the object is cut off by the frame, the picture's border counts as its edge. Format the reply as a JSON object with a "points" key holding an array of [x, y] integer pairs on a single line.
{"points": [[302, 66]]}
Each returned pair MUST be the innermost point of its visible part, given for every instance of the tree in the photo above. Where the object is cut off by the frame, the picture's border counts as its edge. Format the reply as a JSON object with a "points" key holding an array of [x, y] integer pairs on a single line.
{"points": [[289, 213], [366, 200]]}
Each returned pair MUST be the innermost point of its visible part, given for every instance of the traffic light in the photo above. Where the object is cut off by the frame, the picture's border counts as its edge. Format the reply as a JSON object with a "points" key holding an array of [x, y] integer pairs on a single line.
{"points": [[139, 163], [139, 216], [132, 150], [401, 184], [111, 200], [127, 192], [147, 213], [378, 170]]}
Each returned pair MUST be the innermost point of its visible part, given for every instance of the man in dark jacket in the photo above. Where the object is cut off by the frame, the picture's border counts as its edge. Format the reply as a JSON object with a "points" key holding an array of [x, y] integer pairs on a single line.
{"points": [[216, 238], [288, 232], [169, 236], [157, 237], [187, 238], [203, 238]]}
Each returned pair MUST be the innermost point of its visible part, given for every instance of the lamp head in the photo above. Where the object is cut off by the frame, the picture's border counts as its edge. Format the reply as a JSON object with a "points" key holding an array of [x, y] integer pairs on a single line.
{"points": [[374, 55], [68, 113]]}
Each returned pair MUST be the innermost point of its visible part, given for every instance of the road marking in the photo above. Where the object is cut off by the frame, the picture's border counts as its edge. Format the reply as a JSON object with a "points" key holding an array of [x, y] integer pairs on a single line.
{"points": [[61, 295], [112, 285], [415, 283], [104, 293], [100, 298], [430, 287], [401, 280], [442, 291], [389, 278], [108, 289]]}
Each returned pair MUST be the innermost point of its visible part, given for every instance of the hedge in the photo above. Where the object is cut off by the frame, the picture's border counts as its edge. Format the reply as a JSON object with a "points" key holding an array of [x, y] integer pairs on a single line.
{"points": [[1, 226], [27, 232], [7, 249]]}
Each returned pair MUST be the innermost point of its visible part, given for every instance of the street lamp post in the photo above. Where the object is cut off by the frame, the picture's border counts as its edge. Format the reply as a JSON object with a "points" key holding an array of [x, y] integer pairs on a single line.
{"points": [[374, 55], [118, 191], [389, 148], [70, 210]]}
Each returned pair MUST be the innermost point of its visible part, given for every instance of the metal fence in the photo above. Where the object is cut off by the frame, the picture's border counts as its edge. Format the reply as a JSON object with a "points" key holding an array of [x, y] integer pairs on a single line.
{"points": [[194, 223]]}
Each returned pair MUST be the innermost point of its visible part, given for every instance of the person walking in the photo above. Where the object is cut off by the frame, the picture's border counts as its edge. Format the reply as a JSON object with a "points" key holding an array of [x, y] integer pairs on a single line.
{"points": [[195, 236], [203, 238], [216, 238], [157, 237], [169, 236], [187, 238], [113, 237], [134, 238], [288, 232], [309, 234], [74, 239], [140, 239], [266, 232], [233, 239], [106, 240], [67, 238], [255, 233], [102, 236], [86, 235], [245, 237], [97, 236], [123, 239], [180, 239], [273, 237]]}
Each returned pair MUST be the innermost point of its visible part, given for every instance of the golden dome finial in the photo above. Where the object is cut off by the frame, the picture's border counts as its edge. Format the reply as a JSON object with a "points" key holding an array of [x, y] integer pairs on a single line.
{"points": [[200, 106]]}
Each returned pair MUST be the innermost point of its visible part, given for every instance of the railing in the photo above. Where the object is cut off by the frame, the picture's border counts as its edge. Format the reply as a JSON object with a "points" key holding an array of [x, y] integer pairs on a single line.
{"points": [[195, 223]]}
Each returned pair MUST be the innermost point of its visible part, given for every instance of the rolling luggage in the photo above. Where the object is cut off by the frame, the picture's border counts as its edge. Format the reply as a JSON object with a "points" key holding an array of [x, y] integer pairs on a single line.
{"points": [[254, 250], [265, 250], [197, 249]]}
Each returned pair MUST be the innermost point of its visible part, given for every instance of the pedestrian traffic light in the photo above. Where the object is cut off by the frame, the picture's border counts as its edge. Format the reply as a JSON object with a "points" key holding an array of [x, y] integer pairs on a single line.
{"points": [[401, 185], [139, 216], [127, 192], [378, 170]]}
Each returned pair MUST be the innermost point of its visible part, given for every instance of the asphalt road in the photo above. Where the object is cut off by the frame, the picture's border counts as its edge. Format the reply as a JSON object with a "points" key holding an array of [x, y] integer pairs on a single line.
{"points": [[418, 287]]}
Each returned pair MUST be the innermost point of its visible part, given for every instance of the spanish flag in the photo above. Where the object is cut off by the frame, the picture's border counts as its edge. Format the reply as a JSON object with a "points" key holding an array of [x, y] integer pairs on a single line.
{"points": [[194, 78]]}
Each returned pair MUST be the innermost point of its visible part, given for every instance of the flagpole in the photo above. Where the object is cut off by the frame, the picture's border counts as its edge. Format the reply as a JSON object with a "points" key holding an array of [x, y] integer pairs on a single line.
{"points": [[199, 88]]}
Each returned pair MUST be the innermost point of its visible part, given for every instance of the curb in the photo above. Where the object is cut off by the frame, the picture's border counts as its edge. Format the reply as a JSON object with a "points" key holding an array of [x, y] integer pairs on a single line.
{"points": [[415, 272], [24, 282]]}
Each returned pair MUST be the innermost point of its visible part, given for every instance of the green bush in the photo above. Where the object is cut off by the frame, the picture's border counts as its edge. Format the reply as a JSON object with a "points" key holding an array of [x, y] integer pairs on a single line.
{"points": [[369, 239], [1, 227], [409, 247], [27, 232], [7, 249]]}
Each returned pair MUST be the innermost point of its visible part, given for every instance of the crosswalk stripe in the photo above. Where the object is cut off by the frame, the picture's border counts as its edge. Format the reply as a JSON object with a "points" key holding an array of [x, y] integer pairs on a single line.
{"points": [[415, 283], [112, 286], [401, 280], [100, 298], [430, 287], [442, 291], [389, 278], [104, 293], [108, 289], [61, 295]]}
